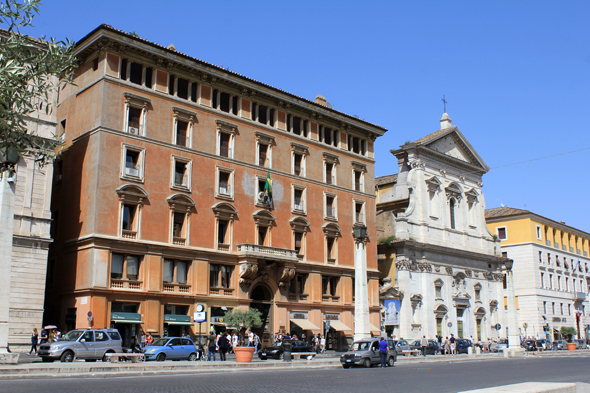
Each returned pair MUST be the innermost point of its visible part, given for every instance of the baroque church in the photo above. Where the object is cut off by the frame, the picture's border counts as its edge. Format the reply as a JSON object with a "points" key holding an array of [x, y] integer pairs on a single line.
{"points": [[441, 268]]}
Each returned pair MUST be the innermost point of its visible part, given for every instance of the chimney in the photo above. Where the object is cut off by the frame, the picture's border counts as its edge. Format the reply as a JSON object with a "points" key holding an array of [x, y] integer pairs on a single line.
{"points": [[320, 99], [445, 121]]}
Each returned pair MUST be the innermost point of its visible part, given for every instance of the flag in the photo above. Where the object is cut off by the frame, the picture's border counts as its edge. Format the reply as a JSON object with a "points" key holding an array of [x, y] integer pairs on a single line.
{"points": [[268, 187]]}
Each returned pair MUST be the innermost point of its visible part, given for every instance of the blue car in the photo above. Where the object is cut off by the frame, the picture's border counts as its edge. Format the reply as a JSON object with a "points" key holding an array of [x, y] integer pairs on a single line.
{"points": [[173, 348]]}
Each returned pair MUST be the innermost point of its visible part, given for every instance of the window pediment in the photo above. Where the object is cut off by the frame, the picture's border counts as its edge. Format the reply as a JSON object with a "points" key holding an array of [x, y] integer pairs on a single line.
{"points": [[359, 166], [330, 158], [225, 210], [136, 100], [453, 190], [184, 114], [299, 224], [477, 286], [441, 309], [433, 184], [472, 195], [132, 193], [480, 311], [264, 217], [299, 149], [264, 138], [180, 202], [331, 229], [226, 127], [438, 282]]}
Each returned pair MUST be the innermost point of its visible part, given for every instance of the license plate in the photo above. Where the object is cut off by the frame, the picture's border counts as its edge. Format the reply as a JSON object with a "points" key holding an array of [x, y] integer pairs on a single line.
{"points": [[347, 360]]}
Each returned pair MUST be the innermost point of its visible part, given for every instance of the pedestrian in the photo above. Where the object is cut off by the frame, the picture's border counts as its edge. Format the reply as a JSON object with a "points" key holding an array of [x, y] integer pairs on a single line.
{"points": [[234, 340], [424, 345], [211, 344], [34, 340], [383, 351], [250, 338], [316, 342], [43, 338], [256, 342], [149, 340], [453, 344], [323, 344], [143, 339], [446, 346], [223, 344]]}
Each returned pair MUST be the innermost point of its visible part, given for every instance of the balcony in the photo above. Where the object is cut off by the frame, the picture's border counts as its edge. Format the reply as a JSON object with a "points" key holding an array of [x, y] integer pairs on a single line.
{"points": [[221, 291], [179, 241], [298, 297], [125, 284], [331, 261], [129, 234], [331, 298], [579, 296], [175, 287], [223, 247], [270, 253]]}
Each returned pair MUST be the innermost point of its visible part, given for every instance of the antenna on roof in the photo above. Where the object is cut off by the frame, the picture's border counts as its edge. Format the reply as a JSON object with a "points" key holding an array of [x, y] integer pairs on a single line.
{"points": [[444, 104]]}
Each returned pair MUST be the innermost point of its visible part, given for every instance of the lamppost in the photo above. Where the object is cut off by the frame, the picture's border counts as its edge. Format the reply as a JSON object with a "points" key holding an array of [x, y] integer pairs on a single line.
{"points": [[513, 338], [8, 159], [362, 327]]}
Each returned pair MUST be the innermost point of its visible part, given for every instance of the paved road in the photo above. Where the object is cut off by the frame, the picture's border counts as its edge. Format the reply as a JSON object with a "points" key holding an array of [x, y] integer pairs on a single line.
{"points": [[424, 377]]}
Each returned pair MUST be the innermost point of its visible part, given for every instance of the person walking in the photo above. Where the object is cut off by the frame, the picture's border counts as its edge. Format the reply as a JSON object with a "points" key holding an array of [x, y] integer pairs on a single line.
{"points": [[250, 338], [256, 342], [43, 338], [446, 346], [223, 344], [34, 341], [453, 344], [149, 339], [323, 344], [383, 351], [211, 344], [424, 345]]}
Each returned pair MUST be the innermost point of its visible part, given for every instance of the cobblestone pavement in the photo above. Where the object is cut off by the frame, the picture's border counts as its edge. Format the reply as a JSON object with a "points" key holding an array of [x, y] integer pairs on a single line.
{"points": [[421, 377]]}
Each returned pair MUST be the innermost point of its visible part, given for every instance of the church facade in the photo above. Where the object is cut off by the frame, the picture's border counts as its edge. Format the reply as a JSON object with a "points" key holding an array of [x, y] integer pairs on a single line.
{"points": [[441, 269]]}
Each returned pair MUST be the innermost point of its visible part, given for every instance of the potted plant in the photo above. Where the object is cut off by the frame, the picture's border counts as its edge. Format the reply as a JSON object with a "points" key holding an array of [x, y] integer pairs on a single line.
{"points": [[243, 320], [568, 332]]}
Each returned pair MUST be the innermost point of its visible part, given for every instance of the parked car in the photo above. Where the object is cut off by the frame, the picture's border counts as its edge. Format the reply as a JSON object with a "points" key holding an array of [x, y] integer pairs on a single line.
{"points": [[498, 346], [174, 348], [275, 352], [580, 344], [365, 353], [87, 344], [399, 345], [529, 345], [544, 345], [463, 345], [560, 345], [432, 348]]}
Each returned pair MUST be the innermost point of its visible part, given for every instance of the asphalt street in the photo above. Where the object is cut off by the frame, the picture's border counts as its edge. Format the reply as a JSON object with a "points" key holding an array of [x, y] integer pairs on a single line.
{"points": [[423, 377]]}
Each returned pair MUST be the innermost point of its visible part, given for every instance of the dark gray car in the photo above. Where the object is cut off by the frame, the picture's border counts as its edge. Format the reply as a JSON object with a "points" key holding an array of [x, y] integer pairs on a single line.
{"points": [[87, 344], [399, 345], [365, 353]]}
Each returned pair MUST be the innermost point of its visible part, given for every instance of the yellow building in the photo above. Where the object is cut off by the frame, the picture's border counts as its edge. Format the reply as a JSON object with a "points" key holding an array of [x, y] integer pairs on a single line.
{"points": [[551, 276]]}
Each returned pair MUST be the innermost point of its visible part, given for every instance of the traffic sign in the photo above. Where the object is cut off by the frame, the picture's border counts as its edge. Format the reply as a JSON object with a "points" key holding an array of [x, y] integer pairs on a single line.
{"points": [[89, 314]]}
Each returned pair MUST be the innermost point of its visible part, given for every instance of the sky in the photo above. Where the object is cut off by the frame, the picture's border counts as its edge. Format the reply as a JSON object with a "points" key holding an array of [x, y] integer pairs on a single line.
{"points": [[515, 74]]}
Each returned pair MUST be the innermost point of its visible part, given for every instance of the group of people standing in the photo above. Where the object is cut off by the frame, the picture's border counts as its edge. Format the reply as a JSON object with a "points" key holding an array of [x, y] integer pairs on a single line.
{"points": [[47, 335], [223, 343], [316, 340]]}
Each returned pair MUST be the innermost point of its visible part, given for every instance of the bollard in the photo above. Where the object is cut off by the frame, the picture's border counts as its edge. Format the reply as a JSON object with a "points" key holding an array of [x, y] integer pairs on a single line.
{"points": [[477, 350], [512, 352], [287, 348], [470, 351], [505, 350]]}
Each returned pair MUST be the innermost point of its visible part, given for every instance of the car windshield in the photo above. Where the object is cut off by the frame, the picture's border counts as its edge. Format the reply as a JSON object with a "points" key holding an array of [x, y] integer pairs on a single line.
{"points": [[360, 346], [160, 342], [72, 335]]}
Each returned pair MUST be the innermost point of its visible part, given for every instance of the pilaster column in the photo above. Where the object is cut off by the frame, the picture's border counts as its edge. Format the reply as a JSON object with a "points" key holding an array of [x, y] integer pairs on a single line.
{"points": [[362, 327]]}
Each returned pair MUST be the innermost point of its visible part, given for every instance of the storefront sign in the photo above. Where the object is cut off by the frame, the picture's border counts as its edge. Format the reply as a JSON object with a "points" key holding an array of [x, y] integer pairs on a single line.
{"points": [[391, 312], [298, 315], [200, 316], [125, 316], [331, 317], [217, 319], [176, 318]]}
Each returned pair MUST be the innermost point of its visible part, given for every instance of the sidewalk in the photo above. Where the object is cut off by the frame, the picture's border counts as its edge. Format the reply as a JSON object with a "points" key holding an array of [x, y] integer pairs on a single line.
{"points": [[329, 360]]}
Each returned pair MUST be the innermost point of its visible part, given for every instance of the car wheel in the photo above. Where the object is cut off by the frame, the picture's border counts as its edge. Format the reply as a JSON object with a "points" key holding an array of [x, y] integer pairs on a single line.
{"points": [[106, 358], [367, 363], [192, 357], [161, 357], [67, 357], [391, 361]]}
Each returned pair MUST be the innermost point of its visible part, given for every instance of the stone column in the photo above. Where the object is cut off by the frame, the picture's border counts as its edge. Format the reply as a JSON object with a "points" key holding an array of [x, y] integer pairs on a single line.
{"points": [[362, 328], [513, 337], [6, 232]]}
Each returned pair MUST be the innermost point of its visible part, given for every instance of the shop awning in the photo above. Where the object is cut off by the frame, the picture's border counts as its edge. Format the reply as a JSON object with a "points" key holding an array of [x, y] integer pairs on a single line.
{"points": [[337, 325], [126, 317], [180, 323], [305, 324], [128, 321]]}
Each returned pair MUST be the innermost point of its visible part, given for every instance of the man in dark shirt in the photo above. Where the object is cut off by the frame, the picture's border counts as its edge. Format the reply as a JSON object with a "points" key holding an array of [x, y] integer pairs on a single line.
{"points": [[211, 344], [383, 351], [453, 345]]}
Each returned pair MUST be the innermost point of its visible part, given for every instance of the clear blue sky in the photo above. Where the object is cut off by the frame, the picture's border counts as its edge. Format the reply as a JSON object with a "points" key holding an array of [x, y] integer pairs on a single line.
{"points": [[515, 73]]}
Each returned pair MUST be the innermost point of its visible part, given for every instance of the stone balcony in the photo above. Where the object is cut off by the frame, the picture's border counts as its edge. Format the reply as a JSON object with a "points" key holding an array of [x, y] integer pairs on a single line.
{"points": [[126, 284], [176, 288], [269, 253]]}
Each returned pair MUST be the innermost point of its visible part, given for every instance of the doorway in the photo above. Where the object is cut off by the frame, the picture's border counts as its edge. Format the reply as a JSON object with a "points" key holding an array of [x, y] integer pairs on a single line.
{"points": [[261, 297]]}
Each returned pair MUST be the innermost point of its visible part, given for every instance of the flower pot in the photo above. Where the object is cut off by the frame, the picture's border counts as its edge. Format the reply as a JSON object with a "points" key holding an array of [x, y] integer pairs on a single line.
{"points": [[571, 346], [244, 354]]}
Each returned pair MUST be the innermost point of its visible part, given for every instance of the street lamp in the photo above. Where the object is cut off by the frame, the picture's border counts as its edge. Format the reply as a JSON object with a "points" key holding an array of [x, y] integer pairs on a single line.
{"points": [[513, 338], [360, 232], [9, 156]]}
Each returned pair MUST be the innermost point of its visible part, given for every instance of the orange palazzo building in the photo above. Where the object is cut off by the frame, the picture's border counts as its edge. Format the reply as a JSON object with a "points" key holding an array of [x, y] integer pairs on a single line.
{"points": [[159, 202]]}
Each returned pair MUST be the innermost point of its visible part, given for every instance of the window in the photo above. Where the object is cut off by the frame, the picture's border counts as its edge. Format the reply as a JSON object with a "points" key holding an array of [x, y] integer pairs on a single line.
{"points": [[135, 114], [358, 176], [225, 214], [330, 286], [220, 276], [183, 126], [551, 281], [359, 209], [131, 199], [330, 206], [561, 308], [265, 220], [538, 232], [222, 232], [331, 234], [133, 160], [567, 284], [501, 233], [129, 223], [264, 149], [175, 271], [298, 157], [124, 267], [135, 73], [225, 180], [298, 284], [569, 309], [299, 196], [544, 307], [300, 226], [357, 145], [542, 280], [438, 284], [225, 138], [452, 212], [553, 307], [540, 256], [181, 175], [548, 258], [298, 241], [330, 162], [477, 294]]}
